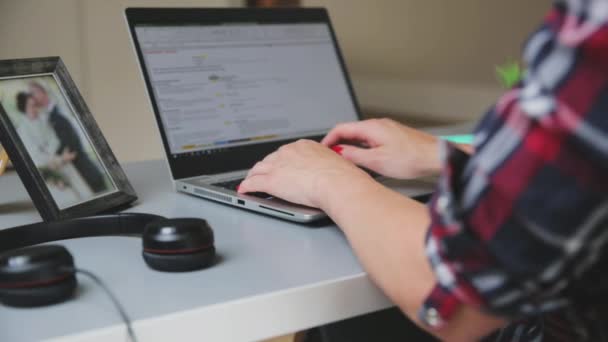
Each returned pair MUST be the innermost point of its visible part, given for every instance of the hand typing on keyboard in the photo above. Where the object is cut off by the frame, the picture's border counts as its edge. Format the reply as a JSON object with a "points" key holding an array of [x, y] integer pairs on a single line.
{"points": [[387, 148], [302, 172]]}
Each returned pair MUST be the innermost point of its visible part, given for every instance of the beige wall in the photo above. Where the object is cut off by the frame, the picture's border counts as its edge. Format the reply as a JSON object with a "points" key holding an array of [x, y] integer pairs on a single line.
{"points": [[423, 59], [432, 40], [435, 57], [34, 28]]}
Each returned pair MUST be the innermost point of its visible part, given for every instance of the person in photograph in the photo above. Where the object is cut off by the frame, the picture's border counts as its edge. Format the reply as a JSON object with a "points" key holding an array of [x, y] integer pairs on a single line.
{"points": [[54, 162], [69, 138]]}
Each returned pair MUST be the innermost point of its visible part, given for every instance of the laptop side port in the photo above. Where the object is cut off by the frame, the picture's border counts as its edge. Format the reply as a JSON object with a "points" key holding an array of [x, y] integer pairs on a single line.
{"points": [[240, 201]]}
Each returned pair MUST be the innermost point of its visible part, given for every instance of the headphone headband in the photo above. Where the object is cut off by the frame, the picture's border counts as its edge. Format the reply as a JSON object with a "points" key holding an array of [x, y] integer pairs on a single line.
{"points": [[104, 225]]}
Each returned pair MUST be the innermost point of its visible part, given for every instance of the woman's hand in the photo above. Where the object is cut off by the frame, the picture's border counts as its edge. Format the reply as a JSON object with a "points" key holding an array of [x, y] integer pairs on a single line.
{"points": [[393, 150], [303, 172]]}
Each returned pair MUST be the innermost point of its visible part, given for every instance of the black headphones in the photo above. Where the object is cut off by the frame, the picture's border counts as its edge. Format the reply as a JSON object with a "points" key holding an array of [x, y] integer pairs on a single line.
{"points": [[43, 275]]}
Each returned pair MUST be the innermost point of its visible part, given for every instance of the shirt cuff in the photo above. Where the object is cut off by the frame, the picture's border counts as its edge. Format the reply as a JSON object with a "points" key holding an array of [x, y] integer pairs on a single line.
{"points": [[438, 308], [452, 288]]}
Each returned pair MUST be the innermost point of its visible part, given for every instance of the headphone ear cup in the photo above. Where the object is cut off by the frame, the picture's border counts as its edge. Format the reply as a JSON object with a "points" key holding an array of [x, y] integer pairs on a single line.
{"points": [[37, 276], [29, 297], [180, 262], [178, 245]]}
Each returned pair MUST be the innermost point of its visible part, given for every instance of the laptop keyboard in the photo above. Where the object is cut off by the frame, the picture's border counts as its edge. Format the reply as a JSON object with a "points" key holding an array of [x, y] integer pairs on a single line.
{"points": [[232, 184]]}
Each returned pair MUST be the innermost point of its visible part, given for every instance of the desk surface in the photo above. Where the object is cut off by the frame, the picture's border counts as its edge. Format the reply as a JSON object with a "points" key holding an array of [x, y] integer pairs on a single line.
{"points": [[274, 277]]}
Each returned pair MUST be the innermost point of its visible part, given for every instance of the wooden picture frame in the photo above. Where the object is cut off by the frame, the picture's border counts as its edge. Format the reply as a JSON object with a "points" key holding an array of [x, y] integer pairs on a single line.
{"points": [[54, 143]]}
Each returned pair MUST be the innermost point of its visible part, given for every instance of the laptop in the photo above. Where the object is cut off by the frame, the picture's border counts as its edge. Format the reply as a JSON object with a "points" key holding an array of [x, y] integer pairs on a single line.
{"points": [[230, 86]]}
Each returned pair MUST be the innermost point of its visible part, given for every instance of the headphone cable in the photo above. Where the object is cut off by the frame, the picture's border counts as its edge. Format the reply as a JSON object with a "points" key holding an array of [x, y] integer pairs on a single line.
{"points": [[113, 298]]}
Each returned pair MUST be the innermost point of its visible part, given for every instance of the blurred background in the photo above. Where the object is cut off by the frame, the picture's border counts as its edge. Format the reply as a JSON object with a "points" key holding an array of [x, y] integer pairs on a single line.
{"points": [[423, 62]]}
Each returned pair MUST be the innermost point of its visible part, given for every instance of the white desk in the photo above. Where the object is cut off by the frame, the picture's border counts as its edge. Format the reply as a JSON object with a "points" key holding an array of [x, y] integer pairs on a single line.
{"points": [[274, 277]]}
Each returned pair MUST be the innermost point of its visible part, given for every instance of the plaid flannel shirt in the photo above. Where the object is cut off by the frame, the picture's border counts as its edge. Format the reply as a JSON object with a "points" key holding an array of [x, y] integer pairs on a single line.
{"points": [[520, 228]]}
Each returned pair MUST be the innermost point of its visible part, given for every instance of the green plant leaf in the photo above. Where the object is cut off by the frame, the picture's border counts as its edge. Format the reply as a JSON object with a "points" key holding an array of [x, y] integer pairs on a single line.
{"points": [[509, 74]]}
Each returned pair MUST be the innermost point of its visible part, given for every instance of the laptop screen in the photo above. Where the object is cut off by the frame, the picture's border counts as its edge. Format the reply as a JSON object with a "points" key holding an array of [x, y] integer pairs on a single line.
{"points": [[222, 86]]}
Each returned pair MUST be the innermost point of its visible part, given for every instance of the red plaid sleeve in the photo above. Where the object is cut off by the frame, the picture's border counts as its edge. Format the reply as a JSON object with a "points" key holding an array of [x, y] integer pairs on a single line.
{"points": [[519, 227]]}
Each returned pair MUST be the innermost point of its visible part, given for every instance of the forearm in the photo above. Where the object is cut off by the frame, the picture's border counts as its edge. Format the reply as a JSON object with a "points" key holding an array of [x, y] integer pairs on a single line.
{"points": [[387, 231]]}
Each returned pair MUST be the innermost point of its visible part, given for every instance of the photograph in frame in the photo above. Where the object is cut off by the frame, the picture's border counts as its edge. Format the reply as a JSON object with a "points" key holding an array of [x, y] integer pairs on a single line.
{"points": [[54, 142]]}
